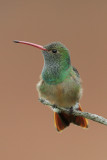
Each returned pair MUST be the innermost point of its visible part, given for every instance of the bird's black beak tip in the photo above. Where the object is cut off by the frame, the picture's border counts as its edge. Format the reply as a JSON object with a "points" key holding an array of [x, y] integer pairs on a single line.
{"points": [[16, 41]]}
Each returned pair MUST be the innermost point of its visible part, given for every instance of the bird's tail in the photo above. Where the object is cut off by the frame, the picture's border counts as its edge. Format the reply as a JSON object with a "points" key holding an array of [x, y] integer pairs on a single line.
{"points": [[62, 120]]}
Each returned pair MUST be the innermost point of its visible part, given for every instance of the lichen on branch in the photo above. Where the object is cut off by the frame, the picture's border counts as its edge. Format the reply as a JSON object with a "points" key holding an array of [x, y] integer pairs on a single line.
{"points": [[76, 112]]}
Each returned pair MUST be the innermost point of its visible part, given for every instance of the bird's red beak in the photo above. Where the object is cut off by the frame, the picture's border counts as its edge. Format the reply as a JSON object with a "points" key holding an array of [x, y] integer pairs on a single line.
{"points": [[31, 44]]}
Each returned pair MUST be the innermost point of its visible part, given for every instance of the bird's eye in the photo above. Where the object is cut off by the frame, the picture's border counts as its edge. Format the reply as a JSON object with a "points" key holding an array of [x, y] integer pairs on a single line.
{"points": [[54, 50]]}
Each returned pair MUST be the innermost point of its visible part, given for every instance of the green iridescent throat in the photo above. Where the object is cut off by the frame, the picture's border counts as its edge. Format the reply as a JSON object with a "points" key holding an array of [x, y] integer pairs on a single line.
{"points": [[54, 77], [55, 69], [56, 65]]}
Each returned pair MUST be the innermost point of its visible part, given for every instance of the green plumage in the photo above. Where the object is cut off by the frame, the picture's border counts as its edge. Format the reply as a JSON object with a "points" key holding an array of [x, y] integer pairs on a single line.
{"points": [[60, 81], [56, 66]]}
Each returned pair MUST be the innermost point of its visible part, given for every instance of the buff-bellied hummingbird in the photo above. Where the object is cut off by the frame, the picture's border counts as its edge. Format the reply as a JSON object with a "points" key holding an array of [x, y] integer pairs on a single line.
{"points": [[60, 84]]}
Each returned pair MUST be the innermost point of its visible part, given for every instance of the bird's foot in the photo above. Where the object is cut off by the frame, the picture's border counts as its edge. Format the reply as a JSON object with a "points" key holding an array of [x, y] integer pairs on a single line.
{"points": [[71, 110], [75, 107], [55, 108]]}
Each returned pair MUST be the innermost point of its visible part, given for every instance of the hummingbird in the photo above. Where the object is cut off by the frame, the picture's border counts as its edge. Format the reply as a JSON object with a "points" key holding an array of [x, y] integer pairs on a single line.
{"points": [[60, 84]]}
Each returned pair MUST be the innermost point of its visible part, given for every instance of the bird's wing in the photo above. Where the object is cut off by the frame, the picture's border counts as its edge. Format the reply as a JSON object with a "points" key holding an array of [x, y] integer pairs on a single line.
{"points": [[76, 71]]}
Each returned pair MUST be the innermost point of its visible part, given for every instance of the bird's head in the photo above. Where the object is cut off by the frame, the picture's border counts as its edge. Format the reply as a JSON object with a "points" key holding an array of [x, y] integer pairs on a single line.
{"points": [[54, 52], [56, 61]]}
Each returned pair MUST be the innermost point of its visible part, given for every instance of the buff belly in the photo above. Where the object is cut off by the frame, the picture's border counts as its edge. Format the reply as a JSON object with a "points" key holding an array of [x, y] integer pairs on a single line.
{"points": [[65, 94]]}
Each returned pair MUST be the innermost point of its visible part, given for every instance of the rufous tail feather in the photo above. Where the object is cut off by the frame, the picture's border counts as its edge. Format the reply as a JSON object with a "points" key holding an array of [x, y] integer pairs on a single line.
{"points": [[63, 120]]}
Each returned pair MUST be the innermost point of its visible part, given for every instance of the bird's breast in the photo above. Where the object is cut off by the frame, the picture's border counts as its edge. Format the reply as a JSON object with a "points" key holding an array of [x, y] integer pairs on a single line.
{"points": [[64, 94]]}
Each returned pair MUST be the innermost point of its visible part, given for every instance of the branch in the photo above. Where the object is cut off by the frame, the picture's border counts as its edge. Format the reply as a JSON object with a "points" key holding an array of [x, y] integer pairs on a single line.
{"points": [[75, 112]]}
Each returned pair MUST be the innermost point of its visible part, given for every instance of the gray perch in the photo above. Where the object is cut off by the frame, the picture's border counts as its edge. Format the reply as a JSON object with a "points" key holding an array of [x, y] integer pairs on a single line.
{"points": [[75, 112]]}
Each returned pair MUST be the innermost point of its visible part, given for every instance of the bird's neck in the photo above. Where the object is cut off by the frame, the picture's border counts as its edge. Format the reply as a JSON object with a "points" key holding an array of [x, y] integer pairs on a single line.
{"points": [[54, 73]]}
